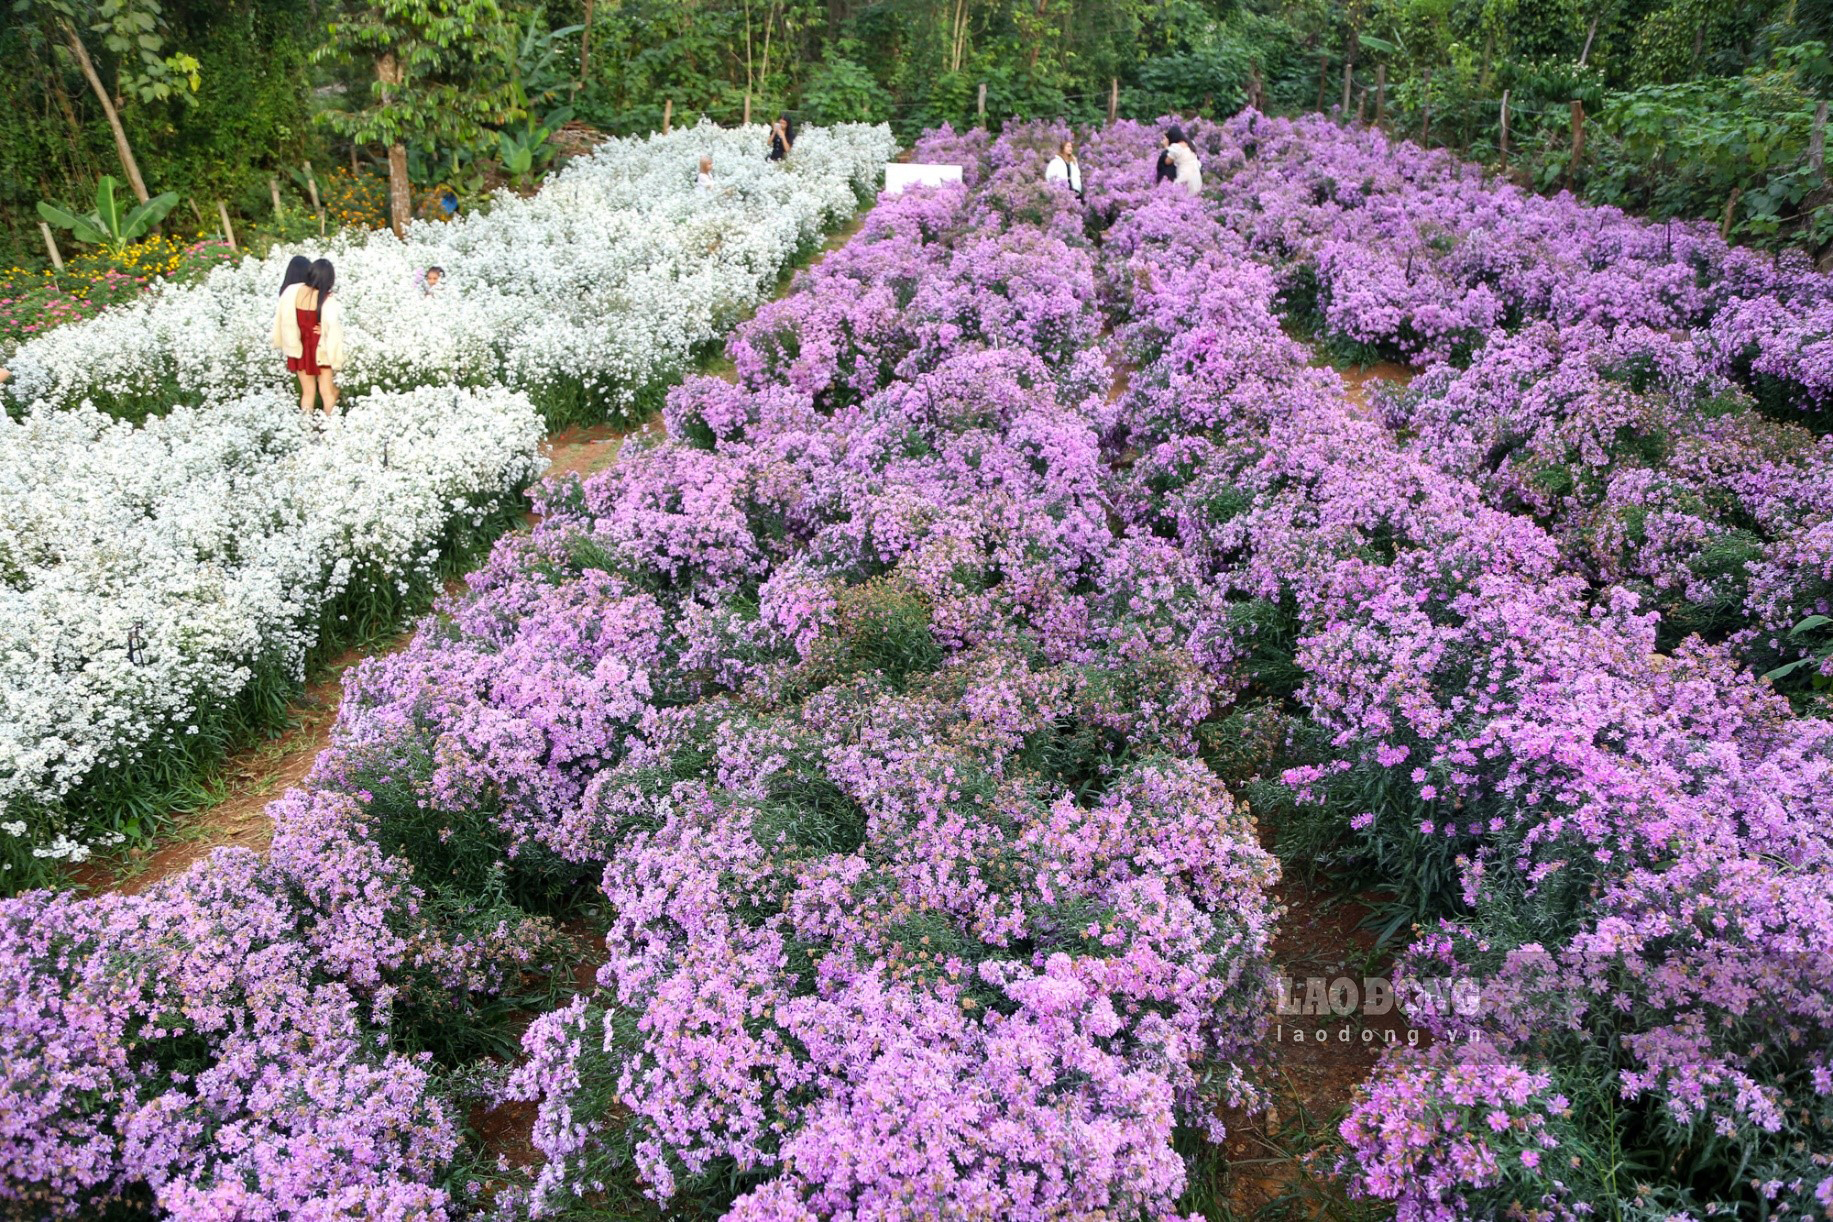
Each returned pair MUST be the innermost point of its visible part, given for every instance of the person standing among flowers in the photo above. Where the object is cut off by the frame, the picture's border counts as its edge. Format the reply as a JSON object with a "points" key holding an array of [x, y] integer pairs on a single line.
{"points": [[1065, 168], [1162, 169], [309, 329], [782, 138], [704, 181], [1187, 170], [296, 269]]}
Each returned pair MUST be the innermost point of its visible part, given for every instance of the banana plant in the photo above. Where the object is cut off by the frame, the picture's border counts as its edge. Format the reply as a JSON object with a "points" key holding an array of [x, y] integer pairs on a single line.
{"points": [[523, 152], [108, 225]]}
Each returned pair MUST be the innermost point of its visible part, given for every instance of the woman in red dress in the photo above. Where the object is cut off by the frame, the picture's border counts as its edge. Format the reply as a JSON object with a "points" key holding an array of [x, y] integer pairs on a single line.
{"points": [[308, 328]]}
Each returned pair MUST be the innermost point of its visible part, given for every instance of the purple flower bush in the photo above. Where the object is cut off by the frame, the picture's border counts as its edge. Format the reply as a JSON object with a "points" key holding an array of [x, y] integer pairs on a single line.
{"points": [[1625, 846], [896, 710], [877, 729]]}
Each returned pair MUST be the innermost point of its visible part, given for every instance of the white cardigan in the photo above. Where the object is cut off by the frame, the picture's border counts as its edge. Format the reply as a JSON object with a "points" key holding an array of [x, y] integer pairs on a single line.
{"points": [[1064, 171], [286, 335], [1189, 169]]}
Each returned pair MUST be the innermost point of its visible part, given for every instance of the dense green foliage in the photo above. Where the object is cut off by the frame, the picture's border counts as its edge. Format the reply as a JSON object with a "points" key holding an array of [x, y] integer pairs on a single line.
{"points": [[1693, 107]]}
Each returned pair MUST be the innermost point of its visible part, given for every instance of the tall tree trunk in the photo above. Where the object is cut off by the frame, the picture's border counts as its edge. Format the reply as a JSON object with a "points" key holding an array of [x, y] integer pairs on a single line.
{"points": [[585, 49], [400, 191], [122, 147]]}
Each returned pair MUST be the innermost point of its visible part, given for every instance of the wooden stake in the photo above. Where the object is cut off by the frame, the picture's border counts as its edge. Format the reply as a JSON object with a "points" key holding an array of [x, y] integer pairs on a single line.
{"points": [[1349, 76], [1503, 143], [1380, 93], [57, 259], [747, 119], [1817, 142], [1731, 206], [311, 183], [273, 190], [222, 211], [980, 106], [1578, 139], [668, 115], [1113, 100], [1362, 107]]}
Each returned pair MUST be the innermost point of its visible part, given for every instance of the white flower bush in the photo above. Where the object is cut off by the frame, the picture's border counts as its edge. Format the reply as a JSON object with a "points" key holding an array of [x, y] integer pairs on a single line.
{"points": [[585, 294], [162, 585], [151, 575]]}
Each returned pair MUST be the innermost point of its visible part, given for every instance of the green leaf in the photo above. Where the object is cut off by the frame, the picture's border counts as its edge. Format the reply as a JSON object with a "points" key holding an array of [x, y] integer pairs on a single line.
{"points": [[107, 211], [1787, 669], [142, 219], [1807, 625]]}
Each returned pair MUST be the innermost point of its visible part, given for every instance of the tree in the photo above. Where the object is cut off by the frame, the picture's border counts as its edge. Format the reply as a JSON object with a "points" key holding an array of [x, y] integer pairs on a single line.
{"points": [[133, 34], [443, 71]]}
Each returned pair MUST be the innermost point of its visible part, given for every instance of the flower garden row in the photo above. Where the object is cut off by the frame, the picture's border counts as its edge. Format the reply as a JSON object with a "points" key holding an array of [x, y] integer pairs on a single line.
{"points": [[1630, 849], [1648, 393], [870, 702], [875, 736], [588, 296], [163, 583]]}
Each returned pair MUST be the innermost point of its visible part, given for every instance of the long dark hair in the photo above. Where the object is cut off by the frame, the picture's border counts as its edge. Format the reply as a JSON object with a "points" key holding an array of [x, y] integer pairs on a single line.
{"points": [[321, 277], [789, 129], [1175, 135], [296, 269]]}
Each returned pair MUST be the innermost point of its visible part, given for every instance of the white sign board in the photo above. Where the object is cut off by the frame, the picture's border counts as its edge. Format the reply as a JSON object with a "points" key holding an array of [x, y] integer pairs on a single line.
{"points": [[899, 175]]}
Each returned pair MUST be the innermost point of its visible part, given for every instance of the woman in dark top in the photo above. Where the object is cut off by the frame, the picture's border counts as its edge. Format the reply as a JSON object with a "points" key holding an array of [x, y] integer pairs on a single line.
{"points": [[782, 138]]}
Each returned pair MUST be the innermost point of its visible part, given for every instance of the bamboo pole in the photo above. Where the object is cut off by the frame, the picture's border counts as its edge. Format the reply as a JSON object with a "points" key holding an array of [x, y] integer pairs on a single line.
{"points": [[273, 191], [1503, 144], [57, 258], [1817, 142], [1113, 100], [1349, 80], [222, 211], [1578, 139], [668, 114], [747, 120], [1731, 207], [311, 182], [980, 106]]}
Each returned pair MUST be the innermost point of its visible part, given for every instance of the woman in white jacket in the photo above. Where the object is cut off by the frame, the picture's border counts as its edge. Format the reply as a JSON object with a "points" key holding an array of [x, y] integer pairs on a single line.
{"points": [[1184, 160], [1065, 168], [309, 329]]}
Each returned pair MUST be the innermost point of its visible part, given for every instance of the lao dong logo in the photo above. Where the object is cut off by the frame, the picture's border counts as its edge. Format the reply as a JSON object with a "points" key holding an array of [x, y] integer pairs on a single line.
{"points": [[1373, 997]]}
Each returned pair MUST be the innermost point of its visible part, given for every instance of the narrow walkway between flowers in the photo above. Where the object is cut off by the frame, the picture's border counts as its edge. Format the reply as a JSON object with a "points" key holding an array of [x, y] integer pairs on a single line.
{"points": [[251, 778]]}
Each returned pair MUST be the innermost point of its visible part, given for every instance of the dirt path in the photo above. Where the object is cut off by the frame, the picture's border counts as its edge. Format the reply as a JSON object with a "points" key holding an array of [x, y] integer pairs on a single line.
{"points": [[251, 778], [254, 776]]}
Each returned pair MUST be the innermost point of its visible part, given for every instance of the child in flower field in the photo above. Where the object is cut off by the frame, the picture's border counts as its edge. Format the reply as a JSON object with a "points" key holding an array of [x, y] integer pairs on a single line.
{"points": [[309, 329], [704, 180], [430, 279]]}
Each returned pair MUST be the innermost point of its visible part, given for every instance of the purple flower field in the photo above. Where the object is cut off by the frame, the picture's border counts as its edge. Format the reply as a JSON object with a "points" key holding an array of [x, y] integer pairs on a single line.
{"points": [[922, 717]]}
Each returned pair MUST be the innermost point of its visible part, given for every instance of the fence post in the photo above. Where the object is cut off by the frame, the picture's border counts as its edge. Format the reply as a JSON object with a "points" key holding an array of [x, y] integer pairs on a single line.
{"points": [[1504, 141], [311, 182], [273, 189], [57, 259], [1817, 143], [1362, 107], [980, 106], [1349, 76], [1113, 100], [668, 114], [747, 119], [1578, 139], [222, 211], [1380, 93]]}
